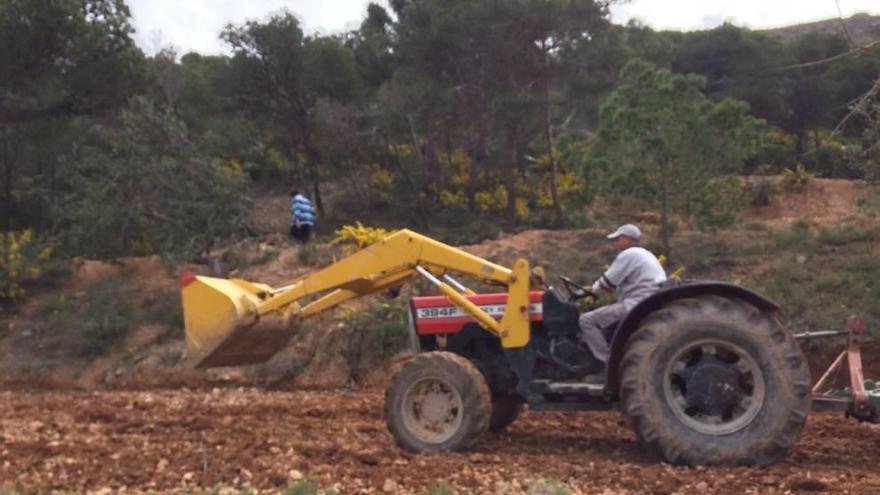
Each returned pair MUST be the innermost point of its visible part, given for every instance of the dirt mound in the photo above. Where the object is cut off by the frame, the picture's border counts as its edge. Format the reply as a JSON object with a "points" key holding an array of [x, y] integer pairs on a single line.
{"points": [[192, 441]]}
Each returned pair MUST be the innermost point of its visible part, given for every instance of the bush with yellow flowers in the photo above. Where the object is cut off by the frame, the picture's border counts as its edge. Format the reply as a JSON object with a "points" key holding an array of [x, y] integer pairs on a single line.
{"points": [[22, 258], [357, 236], [381, 184]]}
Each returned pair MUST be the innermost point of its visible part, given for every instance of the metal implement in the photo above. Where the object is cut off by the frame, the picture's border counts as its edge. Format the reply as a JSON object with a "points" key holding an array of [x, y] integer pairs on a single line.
{"points": [[236, 322], [856, 402]]}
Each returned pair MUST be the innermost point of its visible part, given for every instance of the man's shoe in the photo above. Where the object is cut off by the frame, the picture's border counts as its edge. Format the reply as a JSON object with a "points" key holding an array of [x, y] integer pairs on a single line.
{"points": [[595, 379]]}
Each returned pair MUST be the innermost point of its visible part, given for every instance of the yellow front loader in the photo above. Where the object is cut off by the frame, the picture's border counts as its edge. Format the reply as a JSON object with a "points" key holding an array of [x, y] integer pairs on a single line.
{"points": [[703, 369], [236, 322]]}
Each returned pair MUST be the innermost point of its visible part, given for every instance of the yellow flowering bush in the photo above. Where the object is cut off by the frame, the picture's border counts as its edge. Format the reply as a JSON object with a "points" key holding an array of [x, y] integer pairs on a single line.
{"points": [[358, 236], [21, 258], [455, 199], [492, 201], [400, 150], [381, 184], [234, 170], [457, 167]]}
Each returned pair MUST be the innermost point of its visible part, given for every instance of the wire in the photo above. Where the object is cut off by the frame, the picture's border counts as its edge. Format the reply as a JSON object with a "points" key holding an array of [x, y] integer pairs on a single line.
{"points": [[852, 43]]}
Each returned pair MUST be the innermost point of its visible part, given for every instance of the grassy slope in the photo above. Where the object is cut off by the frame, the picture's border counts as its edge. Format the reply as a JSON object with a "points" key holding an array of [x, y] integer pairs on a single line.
{"points": [[814, 251]]}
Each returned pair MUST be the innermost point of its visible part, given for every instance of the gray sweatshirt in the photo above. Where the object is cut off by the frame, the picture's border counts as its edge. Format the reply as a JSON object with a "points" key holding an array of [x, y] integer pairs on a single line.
{"points": [[635, 275]]}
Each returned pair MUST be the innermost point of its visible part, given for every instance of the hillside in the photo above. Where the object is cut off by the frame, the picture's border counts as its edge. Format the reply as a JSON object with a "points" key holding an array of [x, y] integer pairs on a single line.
{"points": [[119, 409], [863, 28], [119, 324], [311, 419]]}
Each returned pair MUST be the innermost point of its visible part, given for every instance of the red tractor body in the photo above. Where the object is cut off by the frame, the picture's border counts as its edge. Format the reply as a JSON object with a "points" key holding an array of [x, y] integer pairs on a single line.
{"points": [[434, 315]]}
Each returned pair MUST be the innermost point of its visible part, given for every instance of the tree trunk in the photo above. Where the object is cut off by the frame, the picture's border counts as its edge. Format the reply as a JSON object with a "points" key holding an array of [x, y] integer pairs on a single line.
{"points": [[8, 165], [548, 134], [478, 156], [664, 220], [433, 173], [510, 179], [314, 157], [520, 160], [423, 217]]}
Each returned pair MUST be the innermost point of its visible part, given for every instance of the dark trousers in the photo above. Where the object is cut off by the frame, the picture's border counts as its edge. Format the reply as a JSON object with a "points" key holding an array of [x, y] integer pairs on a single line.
{"points": [[301, 233]]}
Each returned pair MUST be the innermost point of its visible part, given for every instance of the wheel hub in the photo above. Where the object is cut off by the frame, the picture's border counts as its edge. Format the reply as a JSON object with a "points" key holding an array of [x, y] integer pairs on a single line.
{"points": [[714, 387], [432, 410]]}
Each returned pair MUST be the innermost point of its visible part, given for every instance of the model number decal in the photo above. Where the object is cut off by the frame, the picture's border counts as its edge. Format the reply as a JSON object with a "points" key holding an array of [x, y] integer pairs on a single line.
{"points": [[456, 312]]}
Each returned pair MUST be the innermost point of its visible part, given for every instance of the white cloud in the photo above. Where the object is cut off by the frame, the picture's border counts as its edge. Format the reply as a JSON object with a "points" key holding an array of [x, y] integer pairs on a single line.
{"points": [[693, 14], [194, 25]]}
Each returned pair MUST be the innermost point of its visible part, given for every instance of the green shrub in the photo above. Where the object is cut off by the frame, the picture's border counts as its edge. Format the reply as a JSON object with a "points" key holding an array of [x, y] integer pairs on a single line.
{"points": [[846, 234], [822, 298], [165, 309], [106, 318], [796, 178], [141, 186], [548, 487], [89, 325], [307, 255], [716, 205], [441, 489], [301, 488], [379, 331], [386, 327], [761, 192], [799, 236]]}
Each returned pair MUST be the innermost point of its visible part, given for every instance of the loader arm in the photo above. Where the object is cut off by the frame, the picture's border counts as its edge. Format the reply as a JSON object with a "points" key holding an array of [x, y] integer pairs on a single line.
{"points": [[235, 322]]}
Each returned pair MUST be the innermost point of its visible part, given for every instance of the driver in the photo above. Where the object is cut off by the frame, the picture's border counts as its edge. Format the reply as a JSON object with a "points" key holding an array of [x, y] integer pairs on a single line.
{"points": [[635, 274]]}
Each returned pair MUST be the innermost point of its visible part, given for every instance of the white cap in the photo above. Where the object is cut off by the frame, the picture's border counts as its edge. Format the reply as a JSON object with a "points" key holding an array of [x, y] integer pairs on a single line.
{"points": [[628, 230]]}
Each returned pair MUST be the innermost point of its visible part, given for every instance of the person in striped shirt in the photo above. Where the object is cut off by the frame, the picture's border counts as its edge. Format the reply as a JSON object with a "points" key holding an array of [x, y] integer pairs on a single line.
{"points": [[302, 217]]}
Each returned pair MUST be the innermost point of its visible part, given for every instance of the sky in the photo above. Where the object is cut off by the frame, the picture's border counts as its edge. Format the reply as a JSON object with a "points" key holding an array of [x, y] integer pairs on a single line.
{"points": [[194, 25]]}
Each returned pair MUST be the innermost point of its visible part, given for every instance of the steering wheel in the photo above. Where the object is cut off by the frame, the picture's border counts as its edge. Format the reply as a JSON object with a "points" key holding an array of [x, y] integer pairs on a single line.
{"points": [[575, 290]]}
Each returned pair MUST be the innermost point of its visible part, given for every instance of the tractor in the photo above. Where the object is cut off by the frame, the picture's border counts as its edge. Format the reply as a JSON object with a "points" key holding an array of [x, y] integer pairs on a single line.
{"points": [[705, 371]]}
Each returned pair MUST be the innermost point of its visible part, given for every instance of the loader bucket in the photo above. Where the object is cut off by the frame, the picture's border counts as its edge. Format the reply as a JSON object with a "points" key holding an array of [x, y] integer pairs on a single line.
{"points": [[221, 328]]}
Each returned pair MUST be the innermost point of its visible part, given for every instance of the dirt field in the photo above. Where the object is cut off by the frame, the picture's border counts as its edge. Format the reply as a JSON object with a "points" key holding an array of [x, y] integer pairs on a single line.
{"points": [[198, 440]]}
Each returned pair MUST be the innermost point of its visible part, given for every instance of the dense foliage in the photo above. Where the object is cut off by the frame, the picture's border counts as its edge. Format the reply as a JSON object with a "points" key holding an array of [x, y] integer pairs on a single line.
{"points": [[663, 142], [432, 114]]}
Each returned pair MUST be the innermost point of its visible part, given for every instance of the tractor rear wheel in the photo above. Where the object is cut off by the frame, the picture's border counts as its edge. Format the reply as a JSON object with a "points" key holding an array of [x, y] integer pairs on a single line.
{"points": [[711, 380], [438, 401]]}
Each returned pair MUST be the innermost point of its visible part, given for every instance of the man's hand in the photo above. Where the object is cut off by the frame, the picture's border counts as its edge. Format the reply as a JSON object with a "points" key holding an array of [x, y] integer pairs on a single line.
{"points": [[599, 287]]}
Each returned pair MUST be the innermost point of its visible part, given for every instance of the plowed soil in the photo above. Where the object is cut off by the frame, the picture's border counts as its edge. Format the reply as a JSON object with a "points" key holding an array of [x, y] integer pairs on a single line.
{"points": [[180, 440]]}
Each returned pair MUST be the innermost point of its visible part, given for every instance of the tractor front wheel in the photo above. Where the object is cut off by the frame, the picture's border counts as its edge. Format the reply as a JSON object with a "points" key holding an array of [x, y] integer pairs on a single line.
{"points": [[438, 401], [715, 381]]}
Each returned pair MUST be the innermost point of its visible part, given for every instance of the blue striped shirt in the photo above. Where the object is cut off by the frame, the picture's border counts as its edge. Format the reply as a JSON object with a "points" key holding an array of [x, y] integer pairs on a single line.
{"points": [[301, 209]]}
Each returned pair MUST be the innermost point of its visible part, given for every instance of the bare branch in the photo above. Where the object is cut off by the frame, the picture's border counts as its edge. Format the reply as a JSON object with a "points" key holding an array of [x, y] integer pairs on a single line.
{"points": [[839, 56], [858, 106], [852, 43]]}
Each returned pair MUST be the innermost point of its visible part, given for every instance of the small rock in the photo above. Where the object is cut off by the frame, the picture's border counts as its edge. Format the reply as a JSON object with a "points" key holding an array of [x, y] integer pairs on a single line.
{"points": [[162, 464], [702, 486], [390, 486], [770, 480], [801, 258], [295, 475], [188, 476]]}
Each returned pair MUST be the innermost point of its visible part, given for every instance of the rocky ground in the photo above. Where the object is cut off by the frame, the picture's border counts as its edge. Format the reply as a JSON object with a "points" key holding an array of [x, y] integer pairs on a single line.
{"points": [[230, 439]]}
